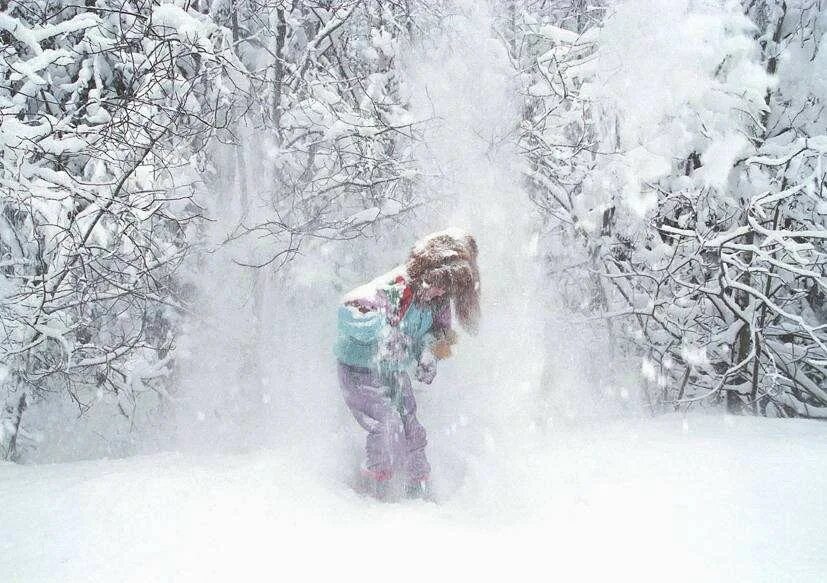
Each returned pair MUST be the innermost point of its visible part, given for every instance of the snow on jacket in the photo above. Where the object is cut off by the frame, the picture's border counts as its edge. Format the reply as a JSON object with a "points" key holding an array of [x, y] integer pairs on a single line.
{"points": [[381, 327]]}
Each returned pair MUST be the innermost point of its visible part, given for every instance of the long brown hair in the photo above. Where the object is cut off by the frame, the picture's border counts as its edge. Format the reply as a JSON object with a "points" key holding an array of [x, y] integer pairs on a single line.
{"points": [[448, 260]]}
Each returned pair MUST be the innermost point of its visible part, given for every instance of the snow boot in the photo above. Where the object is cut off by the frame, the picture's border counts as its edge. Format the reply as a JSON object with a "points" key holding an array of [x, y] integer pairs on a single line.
{"points": [[378, 486], [419, 490]]}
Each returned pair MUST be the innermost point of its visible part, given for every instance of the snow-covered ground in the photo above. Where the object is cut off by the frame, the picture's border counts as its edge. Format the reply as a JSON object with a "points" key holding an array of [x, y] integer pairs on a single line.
{"points": [[706, 498]]}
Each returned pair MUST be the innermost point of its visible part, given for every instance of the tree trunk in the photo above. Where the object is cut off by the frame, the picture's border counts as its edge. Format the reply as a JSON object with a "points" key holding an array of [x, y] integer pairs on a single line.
{"points": [[11, 454]]}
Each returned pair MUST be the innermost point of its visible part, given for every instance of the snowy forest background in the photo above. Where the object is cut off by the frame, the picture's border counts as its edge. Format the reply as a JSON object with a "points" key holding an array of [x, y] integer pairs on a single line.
{"points": [[188, 187]]}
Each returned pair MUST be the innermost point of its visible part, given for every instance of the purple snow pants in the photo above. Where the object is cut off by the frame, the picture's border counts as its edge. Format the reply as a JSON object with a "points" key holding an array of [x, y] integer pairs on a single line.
{"points": [[396, 440]]}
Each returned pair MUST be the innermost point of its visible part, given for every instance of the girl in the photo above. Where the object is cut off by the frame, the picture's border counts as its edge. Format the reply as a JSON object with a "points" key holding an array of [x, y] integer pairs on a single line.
{"points": [[397, 324]]}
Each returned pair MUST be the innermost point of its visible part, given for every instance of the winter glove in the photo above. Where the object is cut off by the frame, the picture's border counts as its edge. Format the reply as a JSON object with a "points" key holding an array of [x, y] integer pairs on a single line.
{"points": [[425, 373], [426, 368], [442, 349]]}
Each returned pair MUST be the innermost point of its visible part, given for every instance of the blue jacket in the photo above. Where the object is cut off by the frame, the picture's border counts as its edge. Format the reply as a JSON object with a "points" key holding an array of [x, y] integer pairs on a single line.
{"points": [[381, 327], [368, 340]]}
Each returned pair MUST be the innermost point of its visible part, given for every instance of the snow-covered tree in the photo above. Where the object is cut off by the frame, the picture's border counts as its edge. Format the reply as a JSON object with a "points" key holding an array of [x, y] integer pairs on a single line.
{"points": [[125, 126], [103, 108], [699, 211]]}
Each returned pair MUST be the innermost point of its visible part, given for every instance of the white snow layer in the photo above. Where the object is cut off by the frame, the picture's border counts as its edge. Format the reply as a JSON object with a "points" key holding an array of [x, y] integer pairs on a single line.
{"points": [[675, 499]]}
